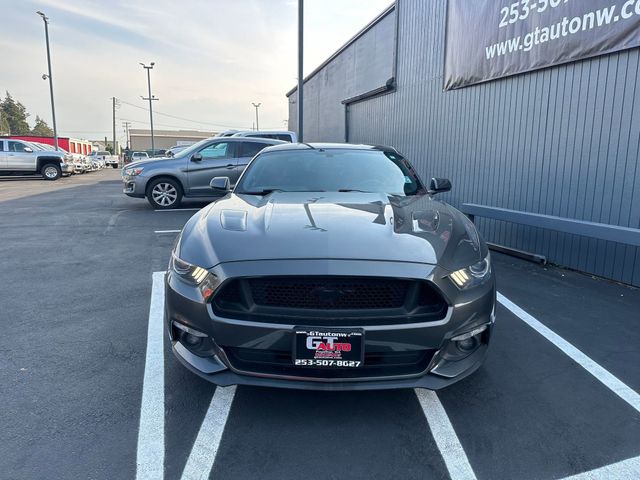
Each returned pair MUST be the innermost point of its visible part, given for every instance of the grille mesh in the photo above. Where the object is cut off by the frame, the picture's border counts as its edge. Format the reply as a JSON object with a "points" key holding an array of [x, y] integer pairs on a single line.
{"points": [[329, 300], [315, 293]]}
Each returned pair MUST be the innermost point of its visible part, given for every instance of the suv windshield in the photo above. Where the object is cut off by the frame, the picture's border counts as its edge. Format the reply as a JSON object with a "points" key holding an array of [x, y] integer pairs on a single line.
{"points": [[188, 151], [330, 170]]}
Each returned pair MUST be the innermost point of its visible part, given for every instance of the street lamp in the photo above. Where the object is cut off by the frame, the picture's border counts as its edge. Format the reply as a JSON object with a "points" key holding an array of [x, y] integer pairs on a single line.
{"points": [[45, 76], [257, 105], [151, 98]]}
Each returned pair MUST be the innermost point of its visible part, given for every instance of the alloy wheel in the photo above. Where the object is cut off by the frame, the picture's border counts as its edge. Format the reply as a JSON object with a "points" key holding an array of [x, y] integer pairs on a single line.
{"points": [[164, 194], [50, 172]]}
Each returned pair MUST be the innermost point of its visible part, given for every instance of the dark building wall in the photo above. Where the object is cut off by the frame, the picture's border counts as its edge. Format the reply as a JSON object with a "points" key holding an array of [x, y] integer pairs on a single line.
{"points": [[357, 68], [562, 141]]}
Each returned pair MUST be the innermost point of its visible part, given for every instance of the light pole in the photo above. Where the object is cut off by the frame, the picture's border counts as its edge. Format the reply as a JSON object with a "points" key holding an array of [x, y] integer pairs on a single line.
{"points": [[257, 105], [45, 19], [300, 63], [151, 98]]}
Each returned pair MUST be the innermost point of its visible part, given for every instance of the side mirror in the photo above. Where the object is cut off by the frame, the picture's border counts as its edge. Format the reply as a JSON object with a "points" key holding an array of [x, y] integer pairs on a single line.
{"points": [[196, 157], [220, 184], [28, 149], [439, 185]]}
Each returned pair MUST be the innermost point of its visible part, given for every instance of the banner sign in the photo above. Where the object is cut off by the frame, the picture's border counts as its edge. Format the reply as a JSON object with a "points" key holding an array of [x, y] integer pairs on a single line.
{"points": [[489, 39]]}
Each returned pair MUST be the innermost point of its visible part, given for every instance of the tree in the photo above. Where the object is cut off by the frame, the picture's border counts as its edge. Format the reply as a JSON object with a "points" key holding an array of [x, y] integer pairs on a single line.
{"points": [[41, 128], [15, 114], [4, 125]]}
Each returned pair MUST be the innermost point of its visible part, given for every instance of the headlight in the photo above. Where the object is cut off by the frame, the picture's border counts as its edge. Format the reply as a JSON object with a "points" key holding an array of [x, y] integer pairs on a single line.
{"points": [[189, 272], [473, 275], [195, 275], [132, 172]]}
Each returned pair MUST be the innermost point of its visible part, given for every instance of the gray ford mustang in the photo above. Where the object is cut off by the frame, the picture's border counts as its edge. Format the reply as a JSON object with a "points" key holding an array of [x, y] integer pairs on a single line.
{"points": [[330, 267]]}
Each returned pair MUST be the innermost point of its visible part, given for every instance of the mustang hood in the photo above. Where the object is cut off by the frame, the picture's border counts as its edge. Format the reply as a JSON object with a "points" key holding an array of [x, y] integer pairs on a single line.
{"points": [[332, 225]]}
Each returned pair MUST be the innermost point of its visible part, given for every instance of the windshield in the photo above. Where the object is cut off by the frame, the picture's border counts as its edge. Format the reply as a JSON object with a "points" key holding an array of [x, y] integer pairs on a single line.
{"points": [[192, 148], [331, 171]]}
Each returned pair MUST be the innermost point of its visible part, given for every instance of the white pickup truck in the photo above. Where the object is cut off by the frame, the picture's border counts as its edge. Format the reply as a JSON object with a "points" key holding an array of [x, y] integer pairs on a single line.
{"points": [[109, 159], [21, 157]]}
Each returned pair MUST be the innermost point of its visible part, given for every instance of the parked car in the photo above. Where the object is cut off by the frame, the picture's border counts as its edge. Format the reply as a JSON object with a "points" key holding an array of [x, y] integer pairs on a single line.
{"points": [[137, 156], [22, 157], [227, 133], [109, 160], [87, 163], [68, 167], [283, 135], [79, 165], [165, 181], [175, 149], [330, 267]]}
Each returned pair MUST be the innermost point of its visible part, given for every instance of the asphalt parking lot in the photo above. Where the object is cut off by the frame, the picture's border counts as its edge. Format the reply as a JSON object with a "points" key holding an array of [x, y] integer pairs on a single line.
{"points": [[91, 390]]}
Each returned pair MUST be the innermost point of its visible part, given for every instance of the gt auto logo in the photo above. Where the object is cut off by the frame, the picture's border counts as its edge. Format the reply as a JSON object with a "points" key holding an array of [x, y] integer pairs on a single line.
{"points": [[327, 344]]}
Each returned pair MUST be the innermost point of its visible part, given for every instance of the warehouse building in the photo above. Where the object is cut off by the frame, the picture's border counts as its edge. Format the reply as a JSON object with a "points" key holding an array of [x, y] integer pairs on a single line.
{"points": [[140, 139], [534, 115]]}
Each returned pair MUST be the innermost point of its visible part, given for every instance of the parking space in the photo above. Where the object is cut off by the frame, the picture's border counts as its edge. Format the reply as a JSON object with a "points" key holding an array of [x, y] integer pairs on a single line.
{"points": [[91, 389]]}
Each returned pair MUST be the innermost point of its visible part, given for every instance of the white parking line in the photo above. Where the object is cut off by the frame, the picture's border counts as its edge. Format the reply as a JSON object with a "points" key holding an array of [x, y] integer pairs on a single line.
{"points": [[625, 470], [601, 374], [445, 436], [205, 448], [175, 209], [166, 231], [150, 451]]}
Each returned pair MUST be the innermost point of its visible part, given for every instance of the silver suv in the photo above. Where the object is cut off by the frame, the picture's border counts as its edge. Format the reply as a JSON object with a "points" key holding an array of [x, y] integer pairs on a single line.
{"points": [[166, 181], [19, 156]]}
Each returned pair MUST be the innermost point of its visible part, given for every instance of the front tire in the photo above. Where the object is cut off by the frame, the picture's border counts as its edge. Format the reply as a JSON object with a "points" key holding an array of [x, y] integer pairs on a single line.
{"points": [[51, 171], [164, 193], [114, 166]]}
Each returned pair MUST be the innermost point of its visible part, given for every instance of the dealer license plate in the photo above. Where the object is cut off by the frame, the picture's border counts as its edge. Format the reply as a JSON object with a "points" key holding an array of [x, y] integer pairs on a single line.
{"points": [[331, 348]]}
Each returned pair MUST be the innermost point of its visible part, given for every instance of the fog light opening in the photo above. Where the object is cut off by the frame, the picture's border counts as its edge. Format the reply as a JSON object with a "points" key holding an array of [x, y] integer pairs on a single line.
{"points": [[469, 341], [191, 340], [467, 344], [188, 330]]}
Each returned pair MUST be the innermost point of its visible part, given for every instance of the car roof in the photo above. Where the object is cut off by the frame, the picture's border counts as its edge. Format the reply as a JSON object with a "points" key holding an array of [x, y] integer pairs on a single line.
{"points": [[329, 146], [272, 141], [262, 132]]}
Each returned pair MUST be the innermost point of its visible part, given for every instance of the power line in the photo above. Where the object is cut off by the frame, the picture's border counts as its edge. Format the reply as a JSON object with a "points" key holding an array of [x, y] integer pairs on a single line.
{"points": [[183, 118], [182, 127]]}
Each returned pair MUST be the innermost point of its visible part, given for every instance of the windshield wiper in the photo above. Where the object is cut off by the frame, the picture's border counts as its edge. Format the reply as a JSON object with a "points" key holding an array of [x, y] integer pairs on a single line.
{"points": [[353, 190]]}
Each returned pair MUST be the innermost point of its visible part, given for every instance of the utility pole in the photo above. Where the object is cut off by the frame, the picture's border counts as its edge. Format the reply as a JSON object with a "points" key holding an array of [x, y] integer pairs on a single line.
{"points": [[45, 19], [257, 105], [126, 126], [114, 125], [300, 77], [150, 98]]}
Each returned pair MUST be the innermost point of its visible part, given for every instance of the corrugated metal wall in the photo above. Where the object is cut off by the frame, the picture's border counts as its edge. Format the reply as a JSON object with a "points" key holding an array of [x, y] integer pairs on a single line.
{"points": [[562, 141], [360, 67]]}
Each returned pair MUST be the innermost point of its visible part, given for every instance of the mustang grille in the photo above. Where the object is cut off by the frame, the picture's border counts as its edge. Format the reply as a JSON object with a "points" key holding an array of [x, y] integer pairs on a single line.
{"points": [[344, 293], [332, 299]]}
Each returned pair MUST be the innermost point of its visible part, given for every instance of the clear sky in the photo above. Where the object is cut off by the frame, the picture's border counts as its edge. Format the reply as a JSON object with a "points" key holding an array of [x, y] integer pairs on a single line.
{"points": [[213, 58]]}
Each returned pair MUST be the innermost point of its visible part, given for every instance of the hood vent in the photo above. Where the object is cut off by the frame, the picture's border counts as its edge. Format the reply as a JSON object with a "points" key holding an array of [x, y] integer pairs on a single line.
{"points": [[235, 220]]}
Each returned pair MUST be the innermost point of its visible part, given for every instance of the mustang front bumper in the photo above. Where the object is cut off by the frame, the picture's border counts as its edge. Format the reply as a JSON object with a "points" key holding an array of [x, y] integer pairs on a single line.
{"points": [[187, 311]]}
